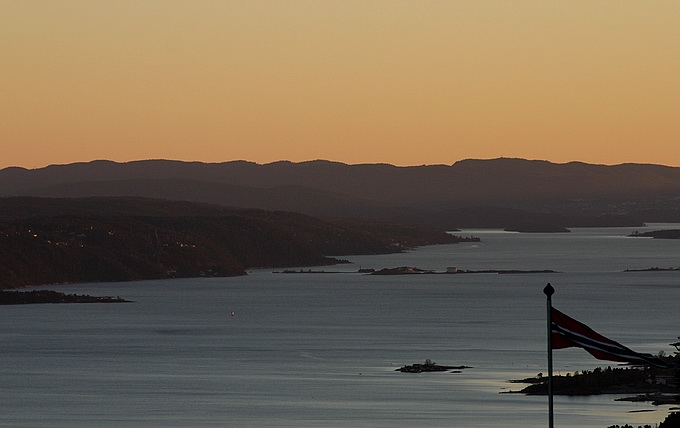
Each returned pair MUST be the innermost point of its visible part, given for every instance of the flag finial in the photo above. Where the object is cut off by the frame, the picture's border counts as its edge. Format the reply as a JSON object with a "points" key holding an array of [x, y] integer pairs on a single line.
{"points": [[549, 290]]}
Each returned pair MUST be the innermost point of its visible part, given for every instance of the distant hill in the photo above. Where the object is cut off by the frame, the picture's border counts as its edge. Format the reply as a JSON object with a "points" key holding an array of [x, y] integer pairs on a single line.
{"points": [[472, 193], [48, 240]]}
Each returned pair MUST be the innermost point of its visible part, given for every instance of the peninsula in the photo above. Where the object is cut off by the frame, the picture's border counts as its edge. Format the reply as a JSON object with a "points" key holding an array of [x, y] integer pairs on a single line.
{"points": [[654, 269], [48, 296], [47, 241], [644, 381], [658, 234]]}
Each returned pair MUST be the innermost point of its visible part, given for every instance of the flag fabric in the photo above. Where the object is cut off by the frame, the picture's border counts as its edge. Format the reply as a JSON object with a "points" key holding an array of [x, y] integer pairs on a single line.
{"points": [[566, 332]]}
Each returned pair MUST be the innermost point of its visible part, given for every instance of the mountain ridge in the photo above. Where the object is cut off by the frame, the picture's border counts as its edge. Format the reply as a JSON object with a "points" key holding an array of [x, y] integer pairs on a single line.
{"points": [[383, 191]]}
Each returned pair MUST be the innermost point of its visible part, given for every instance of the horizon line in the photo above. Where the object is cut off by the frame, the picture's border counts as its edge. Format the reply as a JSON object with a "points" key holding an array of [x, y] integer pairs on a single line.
{"points": [[132, 161]]}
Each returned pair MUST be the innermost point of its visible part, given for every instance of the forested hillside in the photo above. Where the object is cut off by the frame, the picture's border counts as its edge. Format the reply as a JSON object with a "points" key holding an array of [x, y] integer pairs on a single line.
{"points": [[99, 240]]}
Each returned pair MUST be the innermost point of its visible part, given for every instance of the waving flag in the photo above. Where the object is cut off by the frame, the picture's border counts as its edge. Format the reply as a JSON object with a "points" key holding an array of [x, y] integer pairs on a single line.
{"points": [[566, 332]]}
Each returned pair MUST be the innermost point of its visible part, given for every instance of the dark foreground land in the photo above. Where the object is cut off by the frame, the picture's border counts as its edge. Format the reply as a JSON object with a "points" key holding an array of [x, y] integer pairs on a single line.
{"points": [[48, 296], [649, 382], [659, 234], [654, 385], [654, 269], [671, 421]]}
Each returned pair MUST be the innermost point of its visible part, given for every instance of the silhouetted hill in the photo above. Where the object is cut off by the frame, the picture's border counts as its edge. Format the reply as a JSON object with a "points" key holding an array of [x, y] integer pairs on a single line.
{"points": [[563, 195], [116, 239]]}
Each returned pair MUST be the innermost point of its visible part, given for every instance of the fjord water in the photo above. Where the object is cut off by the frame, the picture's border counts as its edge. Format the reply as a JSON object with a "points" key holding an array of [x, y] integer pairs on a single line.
{"points": [[321, 349]]}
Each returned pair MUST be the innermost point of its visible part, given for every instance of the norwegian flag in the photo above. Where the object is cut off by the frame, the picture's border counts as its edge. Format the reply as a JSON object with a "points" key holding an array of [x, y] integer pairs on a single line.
{"points": [[566, 332]]}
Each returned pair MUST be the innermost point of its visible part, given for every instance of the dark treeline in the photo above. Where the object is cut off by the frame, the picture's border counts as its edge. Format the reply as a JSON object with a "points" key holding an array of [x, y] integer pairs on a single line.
{"points": [[607, 381], [671, 421]]}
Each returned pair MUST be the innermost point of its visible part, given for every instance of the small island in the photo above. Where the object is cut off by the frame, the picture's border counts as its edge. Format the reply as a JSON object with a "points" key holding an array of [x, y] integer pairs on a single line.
{"points": [[401, 270], [48, 296], [538, 229], [654, 269], [430, 366], [410, 270]]}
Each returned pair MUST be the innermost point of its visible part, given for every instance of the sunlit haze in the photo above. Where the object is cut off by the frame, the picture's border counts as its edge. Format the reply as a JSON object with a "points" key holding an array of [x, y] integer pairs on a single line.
{"points": [[401, 82]]}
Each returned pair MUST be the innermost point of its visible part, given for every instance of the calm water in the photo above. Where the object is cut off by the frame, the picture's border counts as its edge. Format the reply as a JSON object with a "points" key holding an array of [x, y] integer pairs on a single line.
{"points": [[320, 350]]}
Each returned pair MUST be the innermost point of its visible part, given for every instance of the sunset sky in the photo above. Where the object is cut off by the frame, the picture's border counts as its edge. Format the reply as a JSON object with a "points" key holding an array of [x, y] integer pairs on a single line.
{"points": [[401, 82]]}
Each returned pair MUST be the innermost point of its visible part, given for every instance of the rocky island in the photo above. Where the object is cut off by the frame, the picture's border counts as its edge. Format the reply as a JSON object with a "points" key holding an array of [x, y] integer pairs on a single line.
{"points": [[430, 366], [401, 270]]}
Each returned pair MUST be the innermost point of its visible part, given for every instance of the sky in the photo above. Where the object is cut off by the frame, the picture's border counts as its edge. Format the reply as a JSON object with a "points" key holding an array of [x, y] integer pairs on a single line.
{"points": [[368, 81]]}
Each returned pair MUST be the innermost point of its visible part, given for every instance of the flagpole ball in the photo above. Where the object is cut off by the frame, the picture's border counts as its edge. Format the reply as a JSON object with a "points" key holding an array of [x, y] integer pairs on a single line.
{"points": [[549, 290]]}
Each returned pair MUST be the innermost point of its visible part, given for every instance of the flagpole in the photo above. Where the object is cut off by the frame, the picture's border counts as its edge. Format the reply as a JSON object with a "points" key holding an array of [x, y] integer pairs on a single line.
{"points": [[549, 291]]}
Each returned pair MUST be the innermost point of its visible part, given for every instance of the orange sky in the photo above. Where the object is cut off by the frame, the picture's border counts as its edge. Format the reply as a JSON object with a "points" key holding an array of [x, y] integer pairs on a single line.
{"points": [[402, 82]]}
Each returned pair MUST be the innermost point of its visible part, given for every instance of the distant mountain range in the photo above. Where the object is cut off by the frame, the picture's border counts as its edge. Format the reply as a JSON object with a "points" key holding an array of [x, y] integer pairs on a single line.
{"points": [[511, 193], [108, 221]]}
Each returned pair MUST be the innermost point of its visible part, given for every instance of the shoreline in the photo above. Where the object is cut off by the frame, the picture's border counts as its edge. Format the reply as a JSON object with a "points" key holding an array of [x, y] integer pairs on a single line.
{"points": [[646, 384]]}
